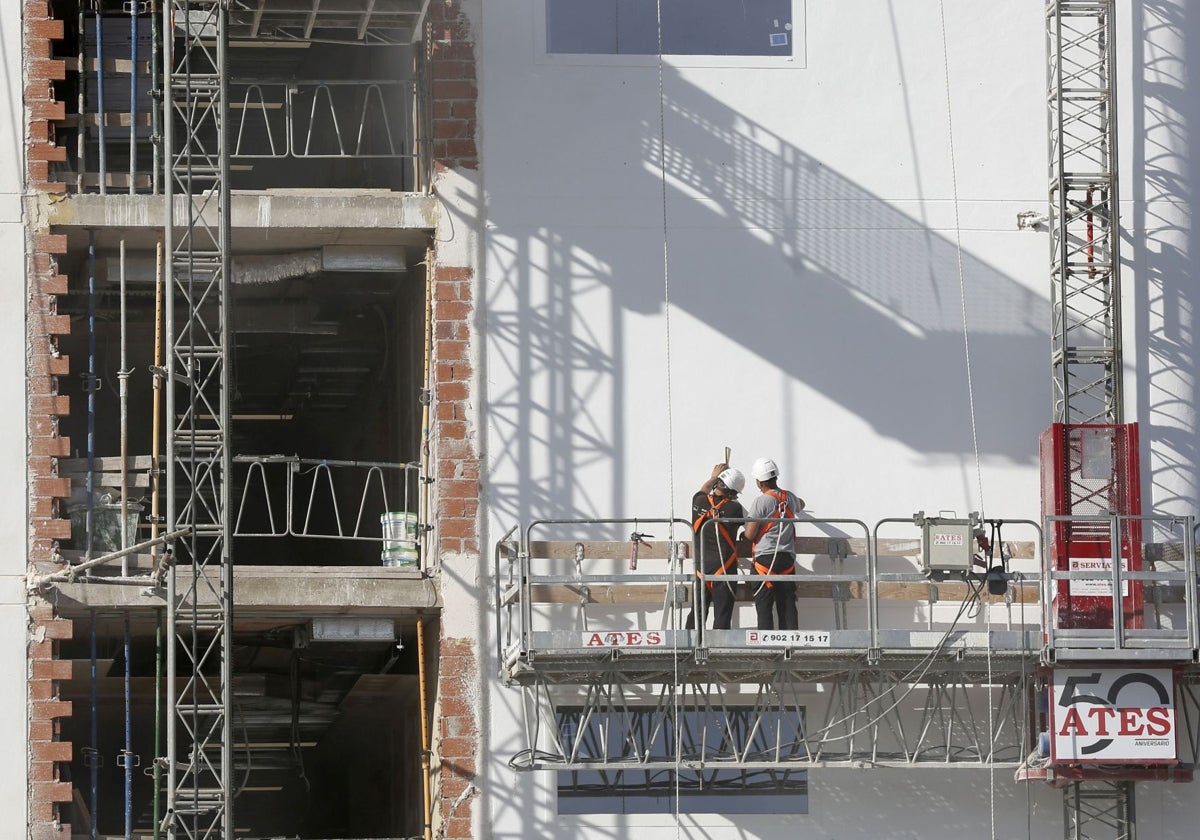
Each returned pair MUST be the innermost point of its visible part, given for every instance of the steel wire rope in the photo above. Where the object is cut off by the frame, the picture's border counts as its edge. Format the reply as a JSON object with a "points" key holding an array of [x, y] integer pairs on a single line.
{"points": [[666, 268], [912, 676], [970, 382]]}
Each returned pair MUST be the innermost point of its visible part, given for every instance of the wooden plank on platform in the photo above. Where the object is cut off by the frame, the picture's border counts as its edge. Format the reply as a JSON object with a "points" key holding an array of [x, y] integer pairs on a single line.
{"points": [[107, 463]]}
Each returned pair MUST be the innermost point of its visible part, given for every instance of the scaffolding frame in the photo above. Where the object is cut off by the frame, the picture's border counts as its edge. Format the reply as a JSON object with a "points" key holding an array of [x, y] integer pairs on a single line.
{"points": [[1085, 292], [200, 583]]}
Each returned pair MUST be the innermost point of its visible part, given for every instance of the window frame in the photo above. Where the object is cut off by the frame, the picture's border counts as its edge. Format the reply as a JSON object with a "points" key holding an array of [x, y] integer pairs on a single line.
{"points": [[657, 799], [797, 60]]}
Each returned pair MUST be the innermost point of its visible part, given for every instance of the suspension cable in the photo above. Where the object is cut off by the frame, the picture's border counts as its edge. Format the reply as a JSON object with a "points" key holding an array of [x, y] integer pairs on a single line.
{"points": [[958, 250], [962, 288], [666, 269]]}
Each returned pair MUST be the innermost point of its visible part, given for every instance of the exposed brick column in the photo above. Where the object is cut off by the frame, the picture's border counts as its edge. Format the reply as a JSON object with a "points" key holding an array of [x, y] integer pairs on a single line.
{"points": [[458, 735], [47, 754], [41, 108], [452, 70], [451, 67], [457, 473], [457, 493], [43, 367]]}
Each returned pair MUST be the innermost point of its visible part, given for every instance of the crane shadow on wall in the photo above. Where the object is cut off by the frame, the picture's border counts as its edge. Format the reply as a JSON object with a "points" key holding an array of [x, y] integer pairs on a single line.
{"points": [[835, 286]]}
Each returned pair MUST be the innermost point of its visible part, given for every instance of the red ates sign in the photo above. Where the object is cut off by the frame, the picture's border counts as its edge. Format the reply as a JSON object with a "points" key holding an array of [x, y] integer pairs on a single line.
{"points": [[1106, 715], [625, 638]]}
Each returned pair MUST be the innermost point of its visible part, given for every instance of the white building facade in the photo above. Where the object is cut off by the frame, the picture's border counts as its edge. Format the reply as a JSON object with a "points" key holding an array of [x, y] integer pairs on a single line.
{"points": [[812, 257]]}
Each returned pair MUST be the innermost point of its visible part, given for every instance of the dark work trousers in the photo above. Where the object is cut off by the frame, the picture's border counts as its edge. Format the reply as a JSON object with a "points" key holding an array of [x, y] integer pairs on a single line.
{"points": [[719, 597], [780, 597]]}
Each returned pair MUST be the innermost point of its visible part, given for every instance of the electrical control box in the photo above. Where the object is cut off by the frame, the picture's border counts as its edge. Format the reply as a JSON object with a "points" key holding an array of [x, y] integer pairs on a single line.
{"points": [[947, 543]]}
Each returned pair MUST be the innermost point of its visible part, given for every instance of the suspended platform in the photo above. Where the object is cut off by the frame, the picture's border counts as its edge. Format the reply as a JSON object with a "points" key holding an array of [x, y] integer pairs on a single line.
{"points": [[891, 666]]}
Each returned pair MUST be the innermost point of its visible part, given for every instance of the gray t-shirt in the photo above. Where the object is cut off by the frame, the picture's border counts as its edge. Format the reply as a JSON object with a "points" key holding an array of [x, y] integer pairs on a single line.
{"points": [[780, 535]]}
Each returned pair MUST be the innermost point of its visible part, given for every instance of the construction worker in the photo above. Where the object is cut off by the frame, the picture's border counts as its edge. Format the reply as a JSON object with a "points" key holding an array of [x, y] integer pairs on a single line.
{"points": [[715, 545], [774, 541]]}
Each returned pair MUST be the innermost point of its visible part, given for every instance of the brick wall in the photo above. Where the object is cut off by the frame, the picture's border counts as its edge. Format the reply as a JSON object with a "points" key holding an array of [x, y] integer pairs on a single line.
{"points": [[457, 473], [41, 30], [451, 50], [458, 735], [47, 755], [451, 65]]}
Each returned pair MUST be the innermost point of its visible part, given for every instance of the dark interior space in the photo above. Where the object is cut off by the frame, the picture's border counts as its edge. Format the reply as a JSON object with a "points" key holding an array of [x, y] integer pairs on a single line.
{"points": [[335, 112], [326, 735], [326, 367]]}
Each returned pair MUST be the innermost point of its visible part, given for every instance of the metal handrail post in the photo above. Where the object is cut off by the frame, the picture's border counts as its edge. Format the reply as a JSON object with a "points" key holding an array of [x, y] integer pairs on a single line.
{"points": [[1189, 580], [1118, 601]]}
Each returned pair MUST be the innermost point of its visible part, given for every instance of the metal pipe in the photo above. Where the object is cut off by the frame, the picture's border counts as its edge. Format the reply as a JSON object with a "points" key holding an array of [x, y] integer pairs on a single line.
{"points": [[133, 71], [69, 574], [426, 398], [168, 249], [156, 407], [123, 392], [224, 237], [123, 378], [155, 430], [158, 675], [95, 751], [100, 101], [89, 521], [148, 581], [425, 762], [128, 737], [81, 105], [155, 107]]}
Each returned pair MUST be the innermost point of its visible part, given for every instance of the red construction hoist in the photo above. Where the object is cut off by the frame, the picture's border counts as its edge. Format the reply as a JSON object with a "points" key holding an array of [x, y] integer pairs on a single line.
{"points": [[1092, 470]]}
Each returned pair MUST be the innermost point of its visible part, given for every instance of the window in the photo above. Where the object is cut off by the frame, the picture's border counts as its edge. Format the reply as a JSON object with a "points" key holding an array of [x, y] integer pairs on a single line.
{"points": [[689, 27], [648, 735]]}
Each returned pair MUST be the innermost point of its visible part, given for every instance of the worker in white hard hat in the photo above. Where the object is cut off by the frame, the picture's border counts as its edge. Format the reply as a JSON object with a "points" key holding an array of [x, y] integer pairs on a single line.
{"points": [[772, 532], [715, 545]]}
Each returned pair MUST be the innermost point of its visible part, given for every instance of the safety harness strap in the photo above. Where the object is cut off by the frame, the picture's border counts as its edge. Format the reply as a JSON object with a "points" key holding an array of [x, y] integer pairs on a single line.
{"points": [[782, 508]]}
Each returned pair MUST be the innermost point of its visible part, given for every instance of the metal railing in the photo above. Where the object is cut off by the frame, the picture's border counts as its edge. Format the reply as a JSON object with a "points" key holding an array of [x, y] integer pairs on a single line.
{"points": [[288, 496], [1152, 588], [552, 598], [361, 118]]}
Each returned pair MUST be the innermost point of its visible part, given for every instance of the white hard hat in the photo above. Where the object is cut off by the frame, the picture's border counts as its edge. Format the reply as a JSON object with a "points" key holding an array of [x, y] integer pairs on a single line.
{"points": [[733, 479], [764, 469]]}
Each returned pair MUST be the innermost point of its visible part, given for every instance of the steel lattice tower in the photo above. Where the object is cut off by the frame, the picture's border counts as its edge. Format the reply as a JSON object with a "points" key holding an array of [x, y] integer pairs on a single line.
{"points": [[1085, 290], [1084, 231], [200, 587]]}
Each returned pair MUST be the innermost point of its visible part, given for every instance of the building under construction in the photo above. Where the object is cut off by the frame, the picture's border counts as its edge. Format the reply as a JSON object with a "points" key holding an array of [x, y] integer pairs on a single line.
{"points": [[372, 352]]}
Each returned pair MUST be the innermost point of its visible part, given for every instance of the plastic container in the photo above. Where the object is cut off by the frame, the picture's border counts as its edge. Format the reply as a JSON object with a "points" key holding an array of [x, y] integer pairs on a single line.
{"points": [[404, 558], [399, 538], [106, 526]]}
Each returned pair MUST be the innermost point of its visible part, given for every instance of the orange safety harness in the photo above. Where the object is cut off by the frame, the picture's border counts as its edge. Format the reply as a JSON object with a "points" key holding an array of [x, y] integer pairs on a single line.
{"points": [[782, 508], [711, 513]]}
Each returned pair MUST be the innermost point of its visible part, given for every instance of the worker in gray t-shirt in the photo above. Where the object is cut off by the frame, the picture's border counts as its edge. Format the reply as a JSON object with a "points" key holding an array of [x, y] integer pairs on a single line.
{"points": [[774, 543]]}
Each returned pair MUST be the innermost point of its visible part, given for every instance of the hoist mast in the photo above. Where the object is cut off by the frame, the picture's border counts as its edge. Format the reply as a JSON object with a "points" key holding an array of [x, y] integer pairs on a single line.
{"points": [[200, 583], [1089, 459]]}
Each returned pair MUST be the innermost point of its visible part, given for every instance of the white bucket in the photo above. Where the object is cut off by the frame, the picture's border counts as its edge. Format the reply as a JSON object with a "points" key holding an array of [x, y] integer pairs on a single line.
{"points": [[399, 538], [404, 558]]}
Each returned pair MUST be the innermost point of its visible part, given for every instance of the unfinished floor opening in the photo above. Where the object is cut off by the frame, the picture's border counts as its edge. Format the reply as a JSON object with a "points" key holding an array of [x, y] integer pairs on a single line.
{"points": [[327, 732]]}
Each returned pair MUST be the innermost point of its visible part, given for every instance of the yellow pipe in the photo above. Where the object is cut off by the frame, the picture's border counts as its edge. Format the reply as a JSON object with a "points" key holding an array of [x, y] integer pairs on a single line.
{"points": [[425, 762]]}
